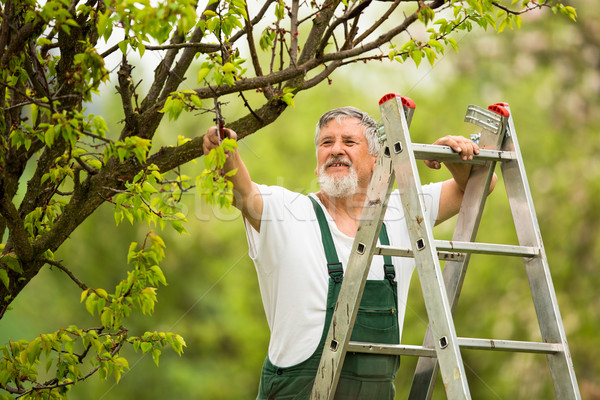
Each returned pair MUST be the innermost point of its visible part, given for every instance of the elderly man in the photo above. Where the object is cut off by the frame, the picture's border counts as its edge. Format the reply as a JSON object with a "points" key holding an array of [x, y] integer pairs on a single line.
{"points": [[299, 245]]}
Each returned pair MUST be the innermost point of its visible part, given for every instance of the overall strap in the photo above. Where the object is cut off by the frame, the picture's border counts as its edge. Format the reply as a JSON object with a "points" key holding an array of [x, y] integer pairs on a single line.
{"points": [[334, 266], [388, 267]]}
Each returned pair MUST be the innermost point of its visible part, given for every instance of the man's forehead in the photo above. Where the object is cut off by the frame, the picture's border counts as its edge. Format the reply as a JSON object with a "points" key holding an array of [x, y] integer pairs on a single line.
{"points": [[348, 125]]}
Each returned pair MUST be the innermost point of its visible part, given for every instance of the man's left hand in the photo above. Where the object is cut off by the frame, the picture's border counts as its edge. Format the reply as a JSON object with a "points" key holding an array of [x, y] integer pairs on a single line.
{"points": [[465, 147]]}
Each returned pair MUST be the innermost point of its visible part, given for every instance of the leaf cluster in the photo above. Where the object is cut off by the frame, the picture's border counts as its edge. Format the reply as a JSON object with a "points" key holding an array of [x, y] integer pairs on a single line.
{"points": [[75, 354]]}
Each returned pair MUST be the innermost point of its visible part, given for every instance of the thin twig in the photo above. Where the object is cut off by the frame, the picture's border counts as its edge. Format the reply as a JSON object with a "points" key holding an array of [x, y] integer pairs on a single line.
{"points": [[58, 265], [527, 9]]}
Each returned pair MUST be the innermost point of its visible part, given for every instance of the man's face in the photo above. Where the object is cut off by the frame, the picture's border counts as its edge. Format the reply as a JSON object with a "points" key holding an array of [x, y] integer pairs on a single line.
{"points": [[341, 148]]}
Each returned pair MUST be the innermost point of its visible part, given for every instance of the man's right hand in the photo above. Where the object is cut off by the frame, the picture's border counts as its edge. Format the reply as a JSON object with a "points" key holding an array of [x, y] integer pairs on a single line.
{"points": [[212, 140], [246, 196]]}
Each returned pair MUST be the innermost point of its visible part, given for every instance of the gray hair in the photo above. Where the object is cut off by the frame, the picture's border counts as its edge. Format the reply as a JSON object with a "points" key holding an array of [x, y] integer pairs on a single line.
{"points": [[368, 123]]}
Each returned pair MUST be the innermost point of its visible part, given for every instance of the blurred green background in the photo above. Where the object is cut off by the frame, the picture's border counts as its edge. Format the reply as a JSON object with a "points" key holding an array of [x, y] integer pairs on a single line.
{"points": [[549, 73]]}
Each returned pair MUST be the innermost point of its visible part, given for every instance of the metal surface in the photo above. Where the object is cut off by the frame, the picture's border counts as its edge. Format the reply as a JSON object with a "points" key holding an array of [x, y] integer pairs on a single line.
{"points": [[464, 343], [483, 118], [538, 271], [445, 153], [355, 276], [397, 349], [486, 248], [383, 250], [428, 267], [467, 224], [509, 345], [453, 250], [441, 349]]}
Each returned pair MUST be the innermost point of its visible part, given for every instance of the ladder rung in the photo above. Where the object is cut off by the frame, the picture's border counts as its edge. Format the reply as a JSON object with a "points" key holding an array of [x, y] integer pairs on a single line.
{"points": [[453, 250], [509, 345], [395, 349], [486, 248], [445, 153], [397, 252], [467, 343]]}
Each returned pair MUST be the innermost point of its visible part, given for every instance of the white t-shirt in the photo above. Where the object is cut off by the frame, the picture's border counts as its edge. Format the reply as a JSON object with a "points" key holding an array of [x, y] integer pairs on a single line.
{"points": [[292, 269]]}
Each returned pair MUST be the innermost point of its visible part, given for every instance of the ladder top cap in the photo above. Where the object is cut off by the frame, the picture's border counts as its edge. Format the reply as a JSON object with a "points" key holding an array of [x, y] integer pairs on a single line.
{"points": [[499, 108], [406, 101]]}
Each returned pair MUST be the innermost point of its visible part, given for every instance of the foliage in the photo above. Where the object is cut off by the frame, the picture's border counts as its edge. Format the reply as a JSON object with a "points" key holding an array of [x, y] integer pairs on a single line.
{"points": [[56, 58], [76, 353]]}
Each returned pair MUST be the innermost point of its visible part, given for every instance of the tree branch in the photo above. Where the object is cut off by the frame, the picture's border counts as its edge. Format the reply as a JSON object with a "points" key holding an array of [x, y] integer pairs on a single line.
{"points": [[513, 12], [320, 23], [377, 23], [294, 32], [58, 265], [349, 14], [18, 235], [124, 89], [251, 46], [259, 16]]}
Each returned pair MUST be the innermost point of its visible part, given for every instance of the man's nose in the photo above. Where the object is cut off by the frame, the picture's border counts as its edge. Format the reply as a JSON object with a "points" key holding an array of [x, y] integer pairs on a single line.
{"points": [[337, 148]]}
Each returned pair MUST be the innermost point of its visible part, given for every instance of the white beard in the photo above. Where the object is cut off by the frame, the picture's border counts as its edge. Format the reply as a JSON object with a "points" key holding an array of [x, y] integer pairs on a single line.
{"points": [[338, 187]]}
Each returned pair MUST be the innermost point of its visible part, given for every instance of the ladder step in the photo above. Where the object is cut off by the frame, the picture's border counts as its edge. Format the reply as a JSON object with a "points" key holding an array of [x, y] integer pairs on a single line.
{"points": [[510, 345], [453, 250], [467, 343], [408, 253], [445, 153], [391, 349]]}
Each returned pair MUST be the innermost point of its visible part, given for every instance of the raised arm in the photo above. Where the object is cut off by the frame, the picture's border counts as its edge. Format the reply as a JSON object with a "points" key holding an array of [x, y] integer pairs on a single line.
{"points": [[246, 196], [453, 189]]}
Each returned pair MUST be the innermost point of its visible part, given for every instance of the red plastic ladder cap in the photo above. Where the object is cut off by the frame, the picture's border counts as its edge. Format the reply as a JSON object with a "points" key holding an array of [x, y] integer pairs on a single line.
{"points": [[498, 108], [406, 101]]}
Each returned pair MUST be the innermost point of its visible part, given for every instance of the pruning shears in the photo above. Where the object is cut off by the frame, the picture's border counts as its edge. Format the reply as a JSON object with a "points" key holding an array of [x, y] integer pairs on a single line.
{"points": [[219, 120]]}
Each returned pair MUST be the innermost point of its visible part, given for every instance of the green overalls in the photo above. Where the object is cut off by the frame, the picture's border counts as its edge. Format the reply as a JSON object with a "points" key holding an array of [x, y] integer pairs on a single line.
{"points": [[363, 376]]}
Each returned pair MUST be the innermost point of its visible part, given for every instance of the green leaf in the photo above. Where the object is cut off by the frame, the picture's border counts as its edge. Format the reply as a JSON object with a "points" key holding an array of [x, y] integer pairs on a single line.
{"points": [[156, 355], [159, 274], [4, 277], [431, 56], [196, 100], [146, 347], [436, 45], [123, 46], [416, 55], [569, 12], [90, 303], [107, 317], [5, 376], [49, 136], [49, 364], [11, 260]]}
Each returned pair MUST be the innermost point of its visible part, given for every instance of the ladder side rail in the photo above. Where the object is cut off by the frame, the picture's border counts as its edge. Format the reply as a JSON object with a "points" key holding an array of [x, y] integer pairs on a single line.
{"points": [[359, 262], [454, 272], [538, 272], [355, 276], [425, 254]]}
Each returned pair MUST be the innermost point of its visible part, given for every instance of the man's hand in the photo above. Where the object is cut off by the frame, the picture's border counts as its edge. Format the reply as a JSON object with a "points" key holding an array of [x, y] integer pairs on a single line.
{"points": [[453, 189], [246, 196], [465, 147], [212, 140]]}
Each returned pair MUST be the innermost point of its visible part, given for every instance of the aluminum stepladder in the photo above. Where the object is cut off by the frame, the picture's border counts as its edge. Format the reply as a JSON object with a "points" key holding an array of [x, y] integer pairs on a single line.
{"points": [[441, 346]]}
